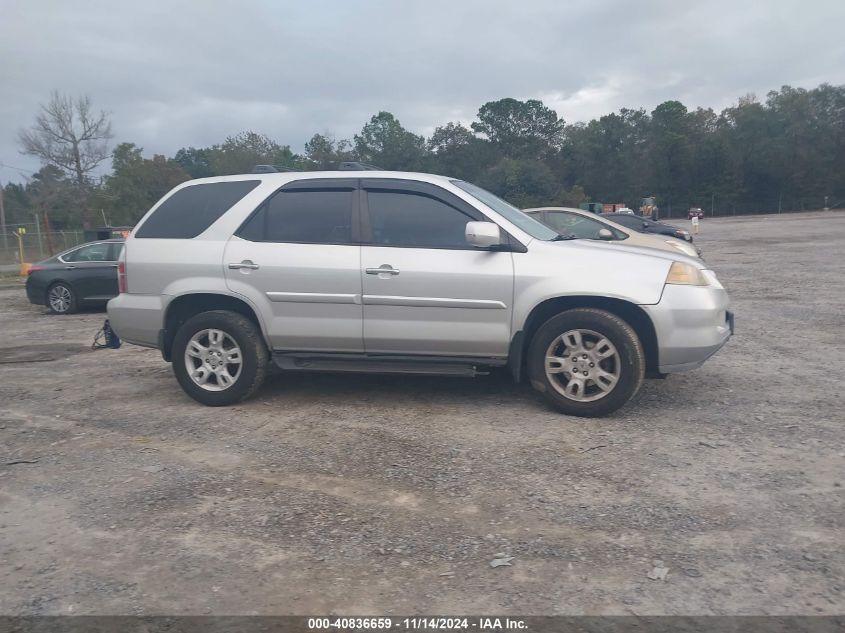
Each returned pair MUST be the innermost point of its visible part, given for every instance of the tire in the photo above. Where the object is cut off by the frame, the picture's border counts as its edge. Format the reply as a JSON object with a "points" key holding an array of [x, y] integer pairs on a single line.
{"points": [[61, 299], [208, 355], [617, 357]]}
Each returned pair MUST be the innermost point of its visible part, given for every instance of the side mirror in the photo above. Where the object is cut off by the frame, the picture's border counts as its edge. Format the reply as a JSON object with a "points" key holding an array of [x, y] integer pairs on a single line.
{"points": [[605, 234], [483, 234]]}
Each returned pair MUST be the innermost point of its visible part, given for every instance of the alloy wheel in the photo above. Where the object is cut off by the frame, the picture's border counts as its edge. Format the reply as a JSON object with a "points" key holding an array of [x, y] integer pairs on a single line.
{"points": [[213, 359], [582, 365], [59, 298]]}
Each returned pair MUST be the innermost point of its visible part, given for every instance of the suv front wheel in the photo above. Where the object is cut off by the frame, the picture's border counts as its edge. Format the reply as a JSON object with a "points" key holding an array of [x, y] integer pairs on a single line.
{"points": [[586, 362], [219, 357]]}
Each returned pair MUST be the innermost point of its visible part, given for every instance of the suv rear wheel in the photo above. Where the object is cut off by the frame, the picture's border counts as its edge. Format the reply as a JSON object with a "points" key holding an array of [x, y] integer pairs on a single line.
{"points": [[586, 362], [219, 357]]}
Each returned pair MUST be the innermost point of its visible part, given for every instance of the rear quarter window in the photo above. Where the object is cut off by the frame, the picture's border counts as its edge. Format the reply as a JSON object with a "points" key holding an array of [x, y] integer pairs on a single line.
{"points": [[191, 210]]}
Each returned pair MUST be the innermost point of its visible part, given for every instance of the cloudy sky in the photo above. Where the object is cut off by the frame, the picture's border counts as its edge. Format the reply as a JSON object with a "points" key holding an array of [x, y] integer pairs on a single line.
{"points": [[189, 72]]}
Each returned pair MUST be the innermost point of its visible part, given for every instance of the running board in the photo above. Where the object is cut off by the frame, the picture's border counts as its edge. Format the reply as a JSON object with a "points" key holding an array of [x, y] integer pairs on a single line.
{"points": [[386, 364]]}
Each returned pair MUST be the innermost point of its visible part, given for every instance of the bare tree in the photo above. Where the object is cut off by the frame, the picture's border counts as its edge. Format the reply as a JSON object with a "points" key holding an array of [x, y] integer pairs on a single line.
{"points": [[69, 135]]}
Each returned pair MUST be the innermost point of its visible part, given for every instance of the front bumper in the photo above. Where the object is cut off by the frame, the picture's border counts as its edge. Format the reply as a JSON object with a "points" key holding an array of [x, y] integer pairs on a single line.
{"points": [[692, 323]]}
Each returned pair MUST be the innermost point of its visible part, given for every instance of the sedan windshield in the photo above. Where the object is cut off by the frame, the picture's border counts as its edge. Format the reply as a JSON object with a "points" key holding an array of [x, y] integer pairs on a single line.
{"points": [[508, 211], [579, 226]]}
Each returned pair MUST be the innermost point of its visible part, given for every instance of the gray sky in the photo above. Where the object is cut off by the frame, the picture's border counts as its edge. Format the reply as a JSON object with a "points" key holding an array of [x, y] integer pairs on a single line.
{"points": [[190, 72]]}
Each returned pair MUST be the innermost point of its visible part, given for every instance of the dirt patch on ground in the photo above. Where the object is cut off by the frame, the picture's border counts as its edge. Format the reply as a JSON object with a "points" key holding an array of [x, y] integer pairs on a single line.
{"points": [[40, 353], [356, 494]]}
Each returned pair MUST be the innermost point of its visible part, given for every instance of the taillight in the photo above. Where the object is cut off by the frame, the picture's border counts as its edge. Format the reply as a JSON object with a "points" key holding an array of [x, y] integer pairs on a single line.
{"points": [[33, 269], [121, 277]]}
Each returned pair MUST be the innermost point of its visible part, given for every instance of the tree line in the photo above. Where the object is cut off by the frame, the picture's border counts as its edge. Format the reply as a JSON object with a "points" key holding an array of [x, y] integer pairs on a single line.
{"points": [[784, 153]]}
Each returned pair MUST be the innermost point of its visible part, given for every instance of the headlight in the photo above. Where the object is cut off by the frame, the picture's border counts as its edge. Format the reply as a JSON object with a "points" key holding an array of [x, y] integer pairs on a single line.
{"points": [[687, 275]]}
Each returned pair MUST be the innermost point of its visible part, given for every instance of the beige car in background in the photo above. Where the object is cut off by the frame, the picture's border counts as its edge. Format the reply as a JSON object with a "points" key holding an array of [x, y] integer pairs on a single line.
{"points": [[589, 226]]}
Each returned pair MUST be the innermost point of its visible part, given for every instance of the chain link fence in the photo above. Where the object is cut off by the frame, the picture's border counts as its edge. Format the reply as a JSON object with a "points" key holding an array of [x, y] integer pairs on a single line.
{"points": [[36, 243], [720, 207]]}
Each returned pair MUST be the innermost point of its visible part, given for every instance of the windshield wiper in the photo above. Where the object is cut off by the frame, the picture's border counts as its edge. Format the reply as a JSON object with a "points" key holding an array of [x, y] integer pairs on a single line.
{"points": [[565, 236]]}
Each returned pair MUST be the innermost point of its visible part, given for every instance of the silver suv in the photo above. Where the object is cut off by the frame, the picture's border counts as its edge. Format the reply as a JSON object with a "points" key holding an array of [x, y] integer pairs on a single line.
{"points": [[395, 272]]}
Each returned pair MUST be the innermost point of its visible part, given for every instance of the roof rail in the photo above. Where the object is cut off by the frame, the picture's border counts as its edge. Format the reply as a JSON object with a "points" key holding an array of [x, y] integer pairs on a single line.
{"points": [[271, 169], [356, 166], [344, 166]]}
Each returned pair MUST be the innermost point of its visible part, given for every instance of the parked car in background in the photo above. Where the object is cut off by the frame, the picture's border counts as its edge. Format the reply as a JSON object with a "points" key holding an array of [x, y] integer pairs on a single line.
{"points": [[82, 276], [589, 226], [695, 212], [407, 273], [613, 207], [644, 225]]}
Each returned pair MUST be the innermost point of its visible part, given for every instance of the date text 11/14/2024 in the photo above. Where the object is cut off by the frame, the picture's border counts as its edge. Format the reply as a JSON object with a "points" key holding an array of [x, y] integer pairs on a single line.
{"points": [[420, 623]]}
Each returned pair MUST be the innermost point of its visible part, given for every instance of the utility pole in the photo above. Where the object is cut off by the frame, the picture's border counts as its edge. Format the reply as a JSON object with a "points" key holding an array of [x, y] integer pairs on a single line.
{"points": [[48, 231], [38, 229], [21, 257], [3, 221]]}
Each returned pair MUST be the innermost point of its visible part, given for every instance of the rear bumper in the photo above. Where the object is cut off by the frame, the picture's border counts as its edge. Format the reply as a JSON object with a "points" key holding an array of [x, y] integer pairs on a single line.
{"points": [[35, 293], [692, 323], [137, 318]]}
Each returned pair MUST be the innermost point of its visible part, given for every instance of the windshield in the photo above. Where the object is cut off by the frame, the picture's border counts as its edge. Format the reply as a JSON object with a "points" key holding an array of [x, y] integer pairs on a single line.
{"points": [[581, 227], [508, 211]]}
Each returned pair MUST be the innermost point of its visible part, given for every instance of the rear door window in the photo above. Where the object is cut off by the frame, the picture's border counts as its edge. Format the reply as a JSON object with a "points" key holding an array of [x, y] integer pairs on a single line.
{"points": [[191, 210], [93, 253], [114, 254]]}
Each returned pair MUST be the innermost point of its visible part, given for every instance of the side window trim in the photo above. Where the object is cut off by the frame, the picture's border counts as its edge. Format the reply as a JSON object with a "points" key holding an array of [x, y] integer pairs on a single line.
{"points": [[87, 261], [399, 185], [311, 184], [358, 218]]}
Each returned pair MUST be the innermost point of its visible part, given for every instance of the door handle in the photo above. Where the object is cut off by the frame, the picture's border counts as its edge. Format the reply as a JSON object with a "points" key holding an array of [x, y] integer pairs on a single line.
{"points": [[244, 264], [384, 269], [70, 267]]}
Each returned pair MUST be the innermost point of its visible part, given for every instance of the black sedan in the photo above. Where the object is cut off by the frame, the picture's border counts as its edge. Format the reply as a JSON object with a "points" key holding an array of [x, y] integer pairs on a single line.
{"points": [[85, 275], [644, 225]]}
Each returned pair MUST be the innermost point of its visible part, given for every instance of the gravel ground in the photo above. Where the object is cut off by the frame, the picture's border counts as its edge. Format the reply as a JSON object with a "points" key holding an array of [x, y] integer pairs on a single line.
{"points": [[392, 495]]}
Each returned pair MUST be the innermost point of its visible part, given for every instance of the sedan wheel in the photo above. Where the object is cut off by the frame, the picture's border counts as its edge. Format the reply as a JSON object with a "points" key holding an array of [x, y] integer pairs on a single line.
{"points": [[60, 299]]}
